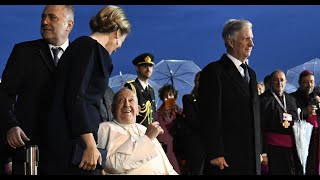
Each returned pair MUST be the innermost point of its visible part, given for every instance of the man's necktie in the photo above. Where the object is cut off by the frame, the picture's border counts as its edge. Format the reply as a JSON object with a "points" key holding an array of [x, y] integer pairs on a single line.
{"points": [[246, 74], [55, 52], [147, 90]]}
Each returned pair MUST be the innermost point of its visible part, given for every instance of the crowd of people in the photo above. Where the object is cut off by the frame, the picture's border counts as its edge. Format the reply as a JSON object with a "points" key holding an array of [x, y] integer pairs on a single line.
{"points": [[54, 94]]}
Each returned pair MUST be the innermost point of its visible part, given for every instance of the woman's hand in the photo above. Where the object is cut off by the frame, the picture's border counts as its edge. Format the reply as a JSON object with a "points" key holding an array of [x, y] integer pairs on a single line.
{"points": [[91, 155]]}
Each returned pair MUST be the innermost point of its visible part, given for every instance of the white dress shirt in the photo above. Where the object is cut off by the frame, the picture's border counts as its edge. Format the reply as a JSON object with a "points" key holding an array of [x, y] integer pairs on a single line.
{"points": [[237, 63], [143, 84], [63, 47]]}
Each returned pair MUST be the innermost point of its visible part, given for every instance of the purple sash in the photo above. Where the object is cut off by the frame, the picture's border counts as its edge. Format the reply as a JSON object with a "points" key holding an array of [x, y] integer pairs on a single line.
{"points": [[275, 139], [313, 120]]}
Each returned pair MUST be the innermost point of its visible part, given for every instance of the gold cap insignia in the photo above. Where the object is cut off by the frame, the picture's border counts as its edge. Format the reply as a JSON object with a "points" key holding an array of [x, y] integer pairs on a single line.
{"points": [[147, 59]]}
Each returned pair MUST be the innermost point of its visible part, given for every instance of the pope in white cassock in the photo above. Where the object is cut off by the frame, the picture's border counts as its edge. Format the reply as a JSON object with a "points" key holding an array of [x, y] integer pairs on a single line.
{"points": [[132, 148]]}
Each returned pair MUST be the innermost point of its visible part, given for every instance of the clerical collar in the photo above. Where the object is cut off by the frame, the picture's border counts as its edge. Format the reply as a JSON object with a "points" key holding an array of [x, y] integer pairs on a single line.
{"points": [[117, 122], [135, 134]]}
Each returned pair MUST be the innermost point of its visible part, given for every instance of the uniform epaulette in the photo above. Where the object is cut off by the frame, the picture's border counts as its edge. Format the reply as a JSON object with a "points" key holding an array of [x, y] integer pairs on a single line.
{"points": [[130, 85], [130, 81]]}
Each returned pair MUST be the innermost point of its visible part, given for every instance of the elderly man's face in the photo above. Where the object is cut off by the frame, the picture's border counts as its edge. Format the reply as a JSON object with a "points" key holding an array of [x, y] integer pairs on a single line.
{"points": [[278, 82], [126, 108], [242, 44], [55, 25]]}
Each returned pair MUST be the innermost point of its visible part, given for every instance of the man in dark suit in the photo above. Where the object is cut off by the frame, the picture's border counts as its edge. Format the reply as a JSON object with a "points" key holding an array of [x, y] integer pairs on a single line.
{"points": [[25, 89], [144, 67], [229, 106]]}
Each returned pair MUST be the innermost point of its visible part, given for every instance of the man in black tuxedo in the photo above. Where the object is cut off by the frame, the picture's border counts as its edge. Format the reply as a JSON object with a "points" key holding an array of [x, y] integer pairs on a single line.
{"points": [[25, 89], [145, 93], [229, 106]]}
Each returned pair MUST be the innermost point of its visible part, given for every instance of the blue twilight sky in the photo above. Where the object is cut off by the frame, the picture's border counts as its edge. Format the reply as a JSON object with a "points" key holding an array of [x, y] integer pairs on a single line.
{"points": [[284, 35]]}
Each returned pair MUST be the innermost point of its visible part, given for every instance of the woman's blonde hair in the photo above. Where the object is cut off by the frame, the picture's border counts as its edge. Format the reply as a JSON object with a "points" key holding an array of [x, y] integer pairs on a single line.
{"points": [[109, 19]]}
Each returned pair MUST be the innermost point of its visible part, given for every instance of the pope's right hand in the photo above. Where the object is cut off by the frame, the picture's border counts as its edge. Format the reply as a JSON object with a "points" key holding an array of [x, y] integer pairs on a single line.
{"points": [[153, 130]]}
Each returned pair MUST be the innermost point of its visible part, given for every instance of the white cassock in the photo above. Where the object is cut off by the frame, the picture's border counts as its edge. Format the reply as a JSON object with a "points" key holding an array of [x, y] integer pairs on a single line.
{"points": [[130, 151]]}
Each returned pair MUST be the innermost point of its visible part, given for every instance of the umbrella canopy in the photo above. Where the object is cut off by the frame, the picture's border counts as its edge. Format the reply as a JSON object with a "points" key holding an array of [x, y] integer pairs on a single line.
{"points": [[312, 65], [117, 81], [179, 73], [290, 88]]}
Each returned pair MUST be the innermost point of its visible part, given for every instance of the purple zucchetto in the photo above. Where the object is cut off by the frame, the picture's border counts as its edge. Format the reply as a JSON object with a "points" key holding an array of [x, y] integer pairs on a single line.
{"points": [[304, 74]]}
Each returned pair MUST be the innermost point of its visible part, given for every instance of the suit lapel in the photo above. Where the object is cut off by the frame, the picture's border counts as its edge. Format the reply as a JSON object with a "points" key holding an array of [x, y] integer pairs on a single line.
{"points": [[151, 91], [234, 74], [46, 55], [253, 86]]}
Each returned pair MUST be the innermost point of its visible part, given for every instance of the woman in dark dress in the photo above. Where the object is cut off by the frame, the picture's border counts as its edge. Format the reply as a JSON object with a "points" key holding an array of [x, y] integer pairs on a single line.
{"points": [[195, 153], [81, 80]]}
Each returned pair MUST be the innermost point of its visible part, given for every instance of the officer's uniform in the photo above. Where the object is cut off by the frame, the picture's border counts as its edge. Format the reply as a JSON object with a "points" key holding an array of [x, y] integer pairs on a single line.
{"points": [[146, 98]]}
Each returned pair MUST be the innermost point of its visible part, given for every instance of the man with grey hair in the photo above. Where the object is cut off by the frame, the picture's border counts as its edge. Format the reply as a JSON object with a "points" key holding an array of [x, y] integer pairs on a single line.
{"points": [[229, 106], [26, 86]]}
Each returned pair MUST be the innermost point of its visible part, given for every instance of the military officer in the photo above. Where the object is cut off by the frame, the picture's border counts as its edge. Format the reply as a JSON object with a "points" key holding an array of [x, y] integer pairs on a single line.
{"points": [[145, 93]]}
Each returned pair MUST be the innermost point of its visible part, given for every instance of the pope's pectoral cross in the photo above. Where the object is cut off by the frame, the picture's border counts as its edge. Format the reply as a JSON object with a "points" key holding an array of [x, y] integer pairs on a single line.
{"points": [[285, 124]]}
